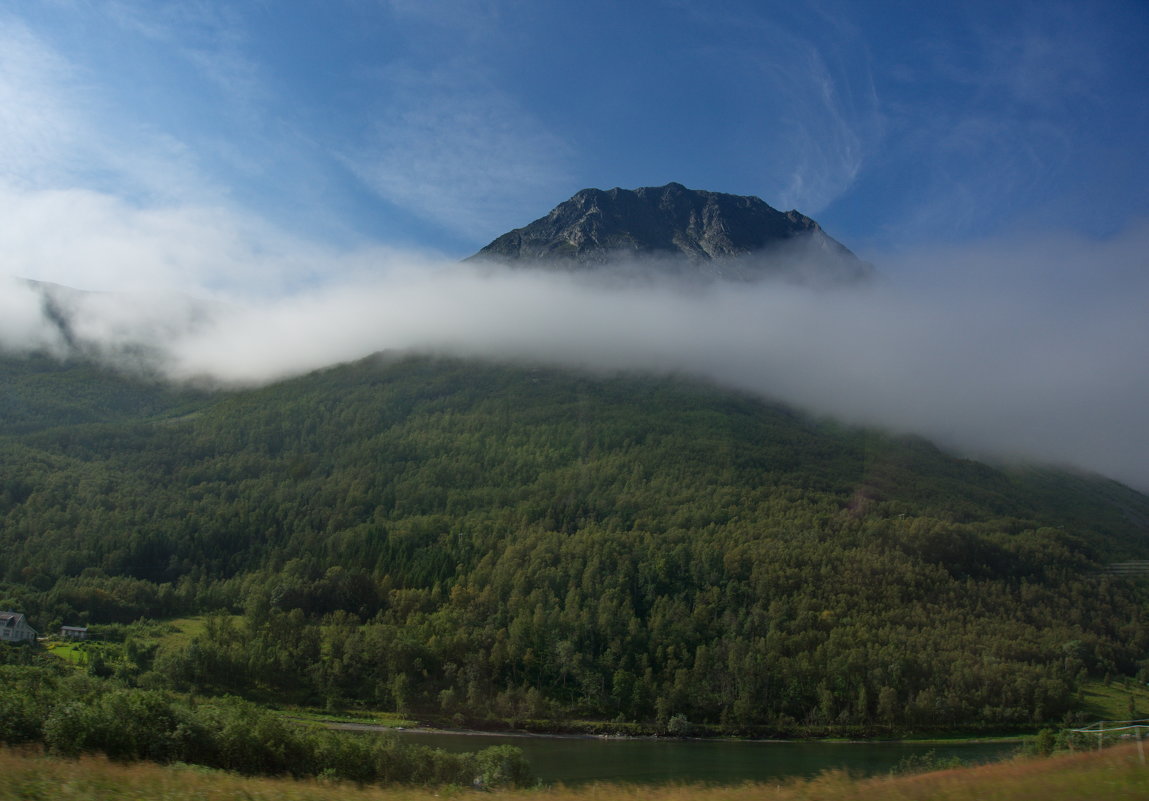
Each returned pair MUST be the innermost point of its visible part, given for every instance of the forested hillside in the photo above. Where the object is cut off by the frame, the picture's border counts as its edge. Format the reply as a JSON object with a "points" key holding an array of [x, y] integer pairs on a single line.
{"points": [[479, 540]]}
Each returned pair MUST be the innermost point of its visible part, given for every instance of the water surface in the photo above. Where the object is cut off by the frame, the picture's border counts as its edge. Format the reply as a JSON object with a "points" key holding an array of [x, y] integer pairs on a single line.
{"points": [[576, 760]]}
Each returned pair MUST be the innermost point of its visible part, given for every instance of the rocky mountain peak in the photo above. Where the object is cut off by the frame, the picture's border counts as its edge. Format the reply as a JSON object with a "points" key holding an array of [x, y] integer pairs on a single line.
{"points": [[687, 230]]}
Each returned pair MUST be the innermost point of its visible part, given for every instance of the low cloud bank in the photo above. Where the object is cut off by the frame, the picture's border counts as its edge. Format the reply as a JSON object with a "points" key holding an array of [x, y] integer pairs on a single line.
{"points": [[1032, 350]]}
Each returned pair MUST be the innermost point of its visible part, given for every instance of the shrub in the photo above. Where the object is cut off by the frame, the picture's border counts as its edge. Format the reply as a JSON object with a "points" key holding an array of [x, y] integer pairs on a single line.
{"points": [[503, 766]]}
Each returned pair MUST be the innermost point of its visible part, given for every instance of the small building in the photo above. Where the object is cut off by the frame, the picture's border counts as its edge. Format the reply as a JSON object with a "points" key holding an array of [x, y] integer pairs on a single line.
{"points": [[74, 632], [14, 628]]}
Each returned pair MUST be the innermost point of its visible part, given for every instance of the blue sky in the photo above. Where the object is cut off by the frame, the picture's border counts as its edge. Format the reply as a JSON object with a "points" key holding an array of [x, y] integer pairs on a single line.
{"points": [[439, 125], [310, 173]]}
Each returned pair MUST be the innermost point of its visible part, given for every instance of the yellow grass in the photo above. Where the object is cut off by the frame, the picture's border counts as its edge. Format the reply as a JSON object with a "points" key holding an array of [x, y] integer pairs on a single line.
{"points": [[1113, 774]]}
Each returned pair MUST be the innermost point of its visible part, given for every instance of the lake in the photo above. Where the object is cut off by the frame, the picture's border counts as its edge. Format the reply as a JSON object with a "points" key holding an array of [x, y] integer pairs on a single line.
{"points": [[576, 760]]}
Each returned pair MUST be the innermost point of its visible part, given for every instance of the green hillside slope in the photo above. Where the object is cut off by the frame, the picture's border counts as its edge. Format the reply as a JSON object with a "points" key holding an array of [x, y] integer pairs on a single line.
{"points": [[491, 541]]}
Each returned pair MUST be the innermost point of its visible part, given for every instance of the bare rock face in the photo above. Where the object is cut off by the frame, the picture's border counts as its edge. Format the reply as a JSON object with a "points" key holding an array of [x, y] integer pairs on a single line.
{"points": [[677, 230]]}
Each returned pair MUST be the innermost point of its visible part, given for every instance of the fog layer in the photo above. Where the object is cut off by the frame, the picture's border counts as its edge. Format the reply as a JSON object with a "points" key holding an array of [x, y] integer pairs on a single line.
{"points": [[1034, 350]]}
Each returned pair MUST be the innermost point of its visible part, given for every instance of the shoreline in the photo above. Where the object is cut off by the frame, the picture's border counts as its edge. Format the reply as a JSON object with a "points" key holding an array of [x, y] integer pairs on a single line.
{"points": [[518, 733]]}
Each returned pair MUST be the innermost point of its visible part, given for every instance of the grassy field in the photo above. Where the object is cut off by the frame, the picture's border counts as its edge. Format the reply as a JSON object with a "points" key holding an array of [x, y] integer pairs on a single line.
{"points": [[1116, 773], [68, 651], [79, 653], [1112, 702], [187, 627], [180, 631]]}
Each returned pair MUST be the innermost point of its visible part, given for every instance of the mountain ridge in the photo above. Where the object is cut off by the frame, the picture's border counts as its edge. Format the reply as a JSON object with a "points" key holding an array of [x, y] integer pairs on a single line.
{"points": [[701, 232]]}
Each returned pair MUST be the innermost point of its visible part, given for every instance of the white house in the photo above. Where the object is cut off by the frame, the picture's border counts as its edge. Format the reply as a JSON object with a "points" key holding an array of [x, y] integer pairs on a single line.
{"points": [[14, 628]]}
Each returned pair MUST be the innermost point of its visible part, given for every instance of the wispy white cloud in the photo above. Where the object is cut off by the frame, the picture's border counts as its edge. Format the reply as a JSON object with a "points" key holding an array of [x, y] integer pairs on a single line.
{"points": [[61, 129], [41, 131], [811, 99], [1050, 61], [473, 18], [211, 37], [96, 196], [829, 143], [458, 151], [96, 241], [991, 116]]}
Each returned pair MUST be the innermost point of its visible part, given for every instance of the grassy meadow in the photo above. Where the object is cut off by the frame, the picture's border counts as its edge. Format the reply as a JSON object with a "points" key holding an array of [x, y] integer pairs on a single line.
{"points": [[1115, 773], [1119, 700]]}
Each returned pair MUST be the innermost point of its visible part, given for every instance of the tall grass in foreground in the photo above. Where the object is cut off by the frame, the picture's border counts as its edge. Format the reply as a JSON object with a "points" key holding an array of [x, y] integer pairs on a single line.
{"points": [[1116, 773]]}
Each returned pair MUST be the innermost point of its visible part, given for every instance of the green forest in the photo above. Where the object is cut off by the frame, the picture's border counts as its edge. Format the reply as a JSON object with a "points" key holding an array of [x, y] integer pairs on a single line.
{"points": [[478, 542]]}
